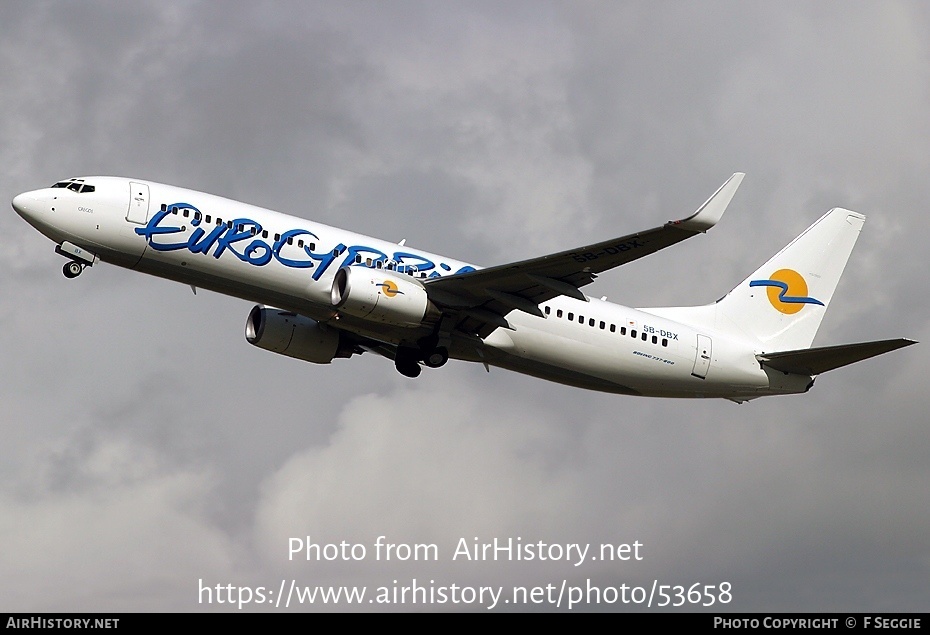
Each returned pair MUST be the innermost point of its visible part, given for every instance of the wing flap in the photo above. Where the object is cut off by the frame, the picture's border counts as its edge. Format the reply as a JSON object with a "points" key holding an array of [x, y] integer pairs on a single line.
{"points": [[814, 361]]}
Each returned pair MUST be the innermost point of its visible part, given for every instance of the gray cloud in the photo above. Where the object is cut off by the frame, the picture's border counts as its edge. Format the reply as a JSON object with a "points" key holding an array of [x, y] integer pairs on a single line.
{"points": [[146, 446]]}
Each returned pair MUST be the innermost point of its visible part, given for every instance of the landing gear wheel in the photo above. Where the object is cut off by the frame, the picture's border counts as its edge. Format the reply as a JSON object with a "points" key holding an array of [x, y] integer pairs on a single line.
{"points": [[437, 357], [405, 361], [409, 369], [72, 269]]}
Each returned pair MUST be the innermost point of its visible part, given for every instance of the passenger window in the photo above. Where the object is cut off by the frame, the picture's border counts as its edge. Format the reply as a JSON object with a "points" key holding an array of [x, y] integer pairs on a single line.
{"points": [[265, 233], [603, 326], [633, 333], [613, 328], [547, 310], [312, 246], [664, 342], [186, 213], [591, 322], [571, 316], [644, 337], [207, 220], [290, 240], [300, 243], [655, 340], [558, 313], [164, 207], [277, 237], [580, 319], [358, 258]]}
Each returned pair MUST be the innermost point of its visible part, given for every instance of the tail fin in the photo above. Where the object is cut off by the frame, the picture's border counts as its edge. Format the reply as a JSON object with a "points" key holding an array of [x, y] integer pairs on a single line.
{"points": [[781, 305], [783, 302]]}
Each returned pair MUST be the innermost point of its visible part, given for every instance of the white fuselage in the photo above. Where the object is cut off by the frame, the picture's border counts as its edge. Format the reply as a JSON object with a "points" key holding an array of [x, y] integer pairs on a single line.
{"points": [[289, 262]]}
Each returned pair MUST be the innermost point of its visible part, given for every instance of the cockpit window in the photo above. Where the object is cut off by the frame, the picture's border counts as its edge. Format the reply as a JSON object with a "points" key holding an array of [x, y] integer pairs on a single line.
{"points": [[75, 185]]}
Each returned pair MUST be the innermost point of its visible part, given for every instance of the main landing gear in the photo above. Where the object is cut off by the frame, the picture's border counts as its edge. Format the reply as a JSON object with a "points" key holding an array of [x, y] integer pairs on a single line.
{"points": [[437, 357], [407, 359], [72, 269]]}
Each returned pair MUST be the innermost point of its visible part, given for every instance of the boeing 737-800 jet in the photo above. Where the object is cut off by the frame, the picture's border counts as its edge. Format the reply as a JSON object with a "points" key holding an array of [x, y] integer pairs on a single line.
{"points": [[324, 293]]}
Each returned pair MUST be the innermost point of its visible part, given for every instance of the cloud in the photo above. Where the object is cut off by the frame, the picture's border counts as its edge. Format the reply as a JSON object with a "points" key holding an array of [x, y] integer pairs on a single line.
{"points": [[460, 466], [119, 534], [147, 447]]}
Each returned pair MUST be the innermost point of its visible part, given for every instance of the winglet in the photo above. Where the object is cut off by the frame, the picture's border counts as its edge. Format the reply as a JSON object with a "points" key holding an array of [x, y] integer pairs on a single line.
{"points": [[710, 212]]}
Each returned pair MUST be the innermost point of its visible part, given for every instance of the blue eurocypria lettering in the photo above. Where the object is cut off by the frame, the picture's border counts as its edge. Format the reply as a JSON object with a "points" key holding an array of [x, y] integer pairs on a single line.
{"points": [[242, 237]]}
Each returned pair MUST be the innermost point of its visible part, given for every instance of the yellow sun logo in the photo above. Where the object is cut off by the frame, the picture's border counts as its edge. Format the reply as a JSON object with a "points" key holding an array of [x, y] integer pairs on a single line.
{"points": [[389, 288], [787, 291]]}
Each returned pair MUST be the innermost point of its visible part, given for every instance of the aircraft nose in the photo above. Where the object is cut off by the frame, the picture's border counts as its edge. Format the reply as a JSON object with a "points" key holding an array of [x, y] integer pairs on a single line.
{"points": [[24, 204]]}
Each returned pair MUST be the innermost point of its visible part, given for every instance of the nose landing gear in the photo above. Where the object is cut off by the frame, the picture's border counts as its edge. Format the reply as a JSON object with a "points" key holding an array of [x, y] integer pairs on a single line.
{"points": [[72, 269], [78, 258]]}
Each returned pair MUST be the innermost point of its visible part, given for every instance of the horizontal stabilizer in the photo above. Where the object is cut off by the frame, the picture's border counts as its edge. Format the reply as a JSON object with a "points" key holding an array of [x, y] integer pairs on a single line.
{"points": [[813, 361]]}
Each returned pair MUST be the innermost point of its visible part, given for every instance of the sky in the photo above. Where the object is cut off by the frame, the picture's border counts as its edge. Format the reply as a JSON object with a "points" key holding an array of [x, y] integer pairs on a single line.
{"points": [[148, 452]]}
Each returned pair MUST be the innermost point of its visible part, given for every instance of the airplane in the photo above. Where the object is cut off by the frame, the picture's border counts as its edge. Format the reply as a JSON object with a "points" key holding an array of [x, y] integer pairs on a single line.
{"points": [[324, 293]]}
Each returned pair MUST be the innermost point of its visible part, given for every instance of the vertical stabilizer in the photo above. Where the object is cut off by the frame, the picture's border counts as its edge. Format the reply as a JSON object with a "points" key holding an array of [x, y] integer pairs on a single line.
{"points": [[783, 302]]}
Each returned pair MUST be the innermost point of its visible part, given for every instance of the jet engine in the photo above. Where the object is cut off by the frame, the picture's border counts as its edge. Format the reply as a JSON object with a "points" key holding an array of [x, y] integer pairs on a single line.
{"points": [[294, 335], [382, 295]]}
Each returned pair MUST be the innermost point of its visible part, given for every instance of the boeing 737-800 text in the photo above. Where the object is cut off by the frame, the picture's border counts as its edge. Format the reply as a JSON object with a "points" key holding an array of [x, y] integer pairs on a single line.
{"points": [[325, 293]]}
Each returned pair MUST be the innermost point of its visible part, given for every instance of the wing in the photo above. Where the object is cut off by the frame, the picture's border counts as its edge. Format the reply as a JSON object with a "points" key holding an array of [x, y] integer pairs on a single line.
{"points": [[479, 300]]}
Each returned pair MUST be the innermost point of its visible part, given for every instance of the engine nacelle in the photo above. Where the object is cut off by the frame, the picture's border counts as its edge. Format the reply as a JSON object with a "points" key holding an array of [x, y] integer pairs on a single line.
{"points": [[382, 295], [294, 335]]}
